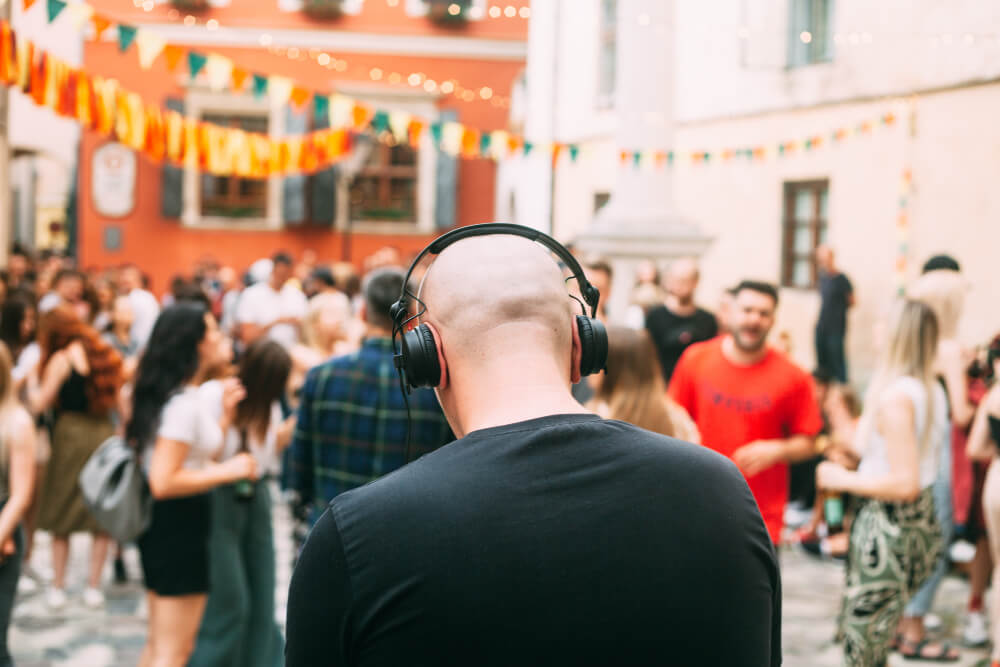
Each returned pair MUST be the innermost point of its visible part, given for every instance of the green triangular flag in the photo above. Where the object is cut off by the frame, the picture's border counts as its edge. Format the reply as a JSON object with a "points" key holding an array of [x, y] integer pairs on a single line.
{"points": [[781, 149], [528, 146], [809, 144], [126, 35], [196, 63], [574, 152], [436, 133], [705, 157], [670, 157], [380, 122], [321, 107], [636, 157], [485, 142], [259, 85], [55, 7]]}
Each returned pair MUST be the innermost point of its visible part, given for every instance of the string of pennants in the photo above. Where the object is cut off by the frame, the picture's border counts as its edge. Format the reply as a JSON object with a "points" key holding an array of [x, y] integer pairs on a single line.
{"points": [[100, 104]]}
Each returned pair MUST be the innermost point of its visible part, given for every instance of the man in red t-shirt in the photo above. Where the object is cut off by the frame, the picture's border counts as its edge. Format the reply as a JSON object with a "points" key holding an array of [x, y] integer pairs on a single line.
{"points": [[749, 401]]}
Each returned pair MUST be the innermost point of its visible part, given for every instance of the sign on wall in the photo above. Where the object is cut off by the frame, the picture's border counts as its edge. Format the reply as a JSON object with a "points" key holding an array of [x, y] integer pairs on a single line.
{"points": [[113, 182]]}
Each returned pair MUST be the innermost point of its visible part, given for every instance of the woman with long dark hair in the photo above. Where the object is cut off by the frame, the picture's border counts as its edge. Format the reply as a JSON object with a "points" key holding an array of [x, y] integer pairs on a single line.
{"points": [[81, 376], [18, 322], [238, 627], [178, 436]]}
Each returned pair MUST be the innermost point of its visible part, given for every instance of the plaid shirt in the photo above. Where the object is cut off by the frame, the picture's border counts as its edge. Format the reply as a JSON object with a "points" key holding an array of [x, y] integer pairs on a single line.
{"points": [[351, 425]]}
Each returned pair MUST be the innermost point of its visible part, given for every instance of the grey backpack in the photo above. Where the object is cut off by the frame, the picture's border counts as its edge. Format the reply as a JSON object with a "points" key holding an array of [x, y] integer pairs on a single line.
{"points": [[115, 490]]}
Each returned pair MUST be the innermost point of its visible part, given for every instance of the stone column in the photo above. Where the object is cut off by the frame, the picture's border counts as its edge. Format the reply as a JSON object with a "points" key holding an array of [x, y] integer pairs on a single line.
{"points": [[639, 221]]}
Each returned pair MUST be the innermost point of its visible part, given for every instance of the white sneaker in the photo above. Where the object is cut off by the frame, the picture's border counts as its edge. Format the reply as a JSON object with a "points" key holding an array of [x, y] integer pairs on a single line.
{"points": [[27, 586], [93, 598], [933, 622], [977, 629], [56, 599], [962, 552]]}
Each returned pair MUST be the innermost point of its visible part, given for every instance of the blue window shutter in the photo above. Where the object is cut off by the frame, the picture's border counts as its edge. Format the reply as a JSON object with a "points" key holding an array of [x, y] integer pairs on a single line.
{"points": [[172, 177], [446, 182], [323, 184], [293, 188]]}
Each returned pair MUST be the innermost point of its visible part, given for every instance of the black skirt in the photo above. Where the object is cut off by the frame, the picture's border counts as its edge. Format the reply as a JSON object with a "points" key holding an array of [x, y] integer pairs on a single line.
{"points": [[174, 549]]}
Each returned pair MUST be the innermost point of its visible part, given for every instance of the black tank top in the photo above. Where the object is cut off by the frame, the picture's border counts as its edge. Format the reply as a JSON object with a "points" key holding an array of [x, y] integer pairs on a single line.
{"points": [[73, 394]]}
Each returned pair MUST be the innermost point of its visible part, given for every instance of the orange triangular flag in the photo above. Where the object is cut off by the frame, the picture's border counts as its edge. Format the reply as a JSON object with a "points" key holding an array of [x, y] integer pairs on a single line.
{"points": [[239, 78], [361, 115], [299, 96], [556, 151], [416, 128], [172, 54], [100, 25], [28, 4]]}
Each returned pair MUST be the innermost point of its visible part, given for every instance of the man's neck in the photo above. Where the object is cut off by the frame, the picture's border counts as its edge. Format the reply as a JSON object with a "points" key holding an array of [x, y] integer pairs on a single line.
{"points": [[374, 331], [740, 357], [677, 307]]}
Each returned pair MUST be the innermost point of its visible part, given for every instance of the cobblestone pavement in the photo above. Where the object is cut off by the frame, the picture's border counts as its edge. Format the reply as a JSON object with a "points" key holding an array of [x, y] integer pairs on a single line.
{"points": [[113, 637]]}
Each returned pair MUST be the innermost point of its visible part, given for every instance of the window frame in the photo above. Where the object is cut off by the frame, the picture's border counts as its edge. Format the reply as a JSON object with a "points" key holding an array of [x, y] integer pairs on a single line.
{"points": [[232, 196], [817, 224], [201, 102], [607, 38], [383, 174], [806, 15]]}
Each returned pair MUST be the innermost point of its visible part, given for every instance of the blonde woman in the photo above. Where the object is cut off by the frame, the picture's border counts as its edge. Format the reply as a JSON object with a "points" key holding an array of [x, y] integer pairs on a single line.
{"points": [[895, 538], [17, 480], [632, 389], [324, 335]]}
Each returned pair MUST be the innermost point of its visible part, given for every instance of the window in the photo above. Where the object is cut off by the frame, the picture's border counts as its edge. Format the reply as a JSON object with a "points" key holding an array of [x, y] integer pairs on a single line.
{"points": [[385, 189], [809, 32], [600, 200], [805, 228], [608, 53], [232, 196]]}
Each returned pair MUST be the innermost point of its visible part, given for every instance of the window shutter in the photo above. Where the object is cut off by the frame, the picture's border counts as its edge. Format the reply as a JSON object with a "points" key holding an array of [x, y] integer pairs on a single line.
{"points": [[172, 177], [446, 182], [293, 188], [323, 184]]}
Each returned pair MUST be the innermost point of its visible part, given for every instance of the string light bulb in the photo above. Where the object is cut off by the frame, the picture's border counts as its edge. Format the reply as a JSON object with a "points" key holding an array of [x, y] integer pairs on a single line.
{"points": [[447, 87], [323, 59], [212, 24], [375, 74], [805, 36], [189, 20], [510, 11], [495, 12], [454, 9]]}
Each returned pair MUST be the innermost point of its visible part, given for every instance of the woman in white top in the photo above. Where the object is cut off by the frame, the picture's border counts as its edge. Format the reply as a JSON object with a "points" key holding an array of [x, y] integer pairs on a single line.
{"points": [[324, 335], [895, 538], [238, 627], [178, 436]]}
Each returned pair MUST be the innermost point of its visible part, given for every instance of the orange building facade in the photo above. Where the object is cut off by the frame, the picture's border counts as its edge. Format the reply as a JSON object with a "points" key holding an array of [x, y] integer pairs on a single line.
{"points": [[407, 55]]}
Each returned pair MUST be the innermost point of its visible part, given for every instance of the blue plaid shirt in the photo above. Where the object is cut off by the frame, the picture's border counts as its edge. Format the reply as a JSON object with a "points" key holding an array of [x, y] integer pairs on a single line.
{"points": [[351, 426]]}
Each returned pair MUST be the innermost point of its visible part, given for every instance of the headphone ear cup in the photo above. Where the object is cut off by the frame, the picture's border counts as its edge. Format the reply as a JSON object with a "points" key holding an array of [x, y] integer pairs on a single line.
{"points": [[420, 359], [593, 345]]}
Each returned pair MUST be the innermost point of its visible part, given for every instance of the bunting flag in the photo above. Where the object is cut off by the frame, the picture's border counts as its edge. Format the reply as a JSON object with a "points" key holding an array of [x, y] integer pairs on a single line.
{"points": [[299, 96], [219, 72], [100, 25], [574, 152], [399, 125], [172, 55], [149, 45], [321, 107], [54, 8], [239, 79], [27, 4], [196, 63], [279, 89], [259, 85], [126, 35], [416, 131], [80, 14]]}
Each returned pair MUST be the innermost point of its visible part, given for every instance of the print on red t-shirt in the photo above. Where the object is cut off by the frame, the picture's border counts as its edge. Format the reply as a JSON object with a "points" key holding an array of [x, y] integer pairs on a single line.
{"points": [[736, 405]]}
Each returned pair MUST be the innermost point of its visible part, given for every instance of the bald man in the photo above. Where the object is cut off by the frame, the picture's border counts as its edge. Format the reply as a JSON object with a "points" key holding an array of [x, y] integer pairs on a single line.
{"points": [[836, 297], [679, 322], [543, 535]]}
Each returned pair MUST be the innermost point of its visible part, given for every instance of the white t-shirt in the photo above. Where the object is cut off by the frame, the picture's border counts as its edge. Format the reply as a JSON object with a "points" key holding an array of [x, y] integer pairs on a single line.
{"points": [[29, 358], [187, 417], [264, 452], [261, 304], [49, 302], [875, 458], [145, 310]]}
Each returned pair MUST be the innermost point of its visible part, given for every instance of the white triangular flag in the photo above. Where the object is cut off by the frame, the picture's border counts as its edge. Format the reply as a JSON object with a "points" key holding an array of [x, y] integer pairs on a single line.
{"points": [[451, 137], [219, 71], [150, 45], [79, 14], [279, 89], [341, 109], [399, 123]]}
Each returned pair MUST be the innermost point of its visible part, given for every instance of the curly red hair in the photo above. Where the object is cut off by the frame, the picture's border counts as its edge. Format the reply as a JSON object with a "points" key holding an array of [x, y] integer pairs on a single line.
{"points": [[61, 327]]}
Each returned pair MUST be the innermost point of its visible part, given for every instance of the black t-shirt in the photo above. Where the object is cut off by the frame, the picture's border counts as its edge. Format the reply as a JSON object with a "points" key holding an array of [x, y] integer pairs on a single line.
{"points": [[672, 334], [835, 295], [564, 540]]}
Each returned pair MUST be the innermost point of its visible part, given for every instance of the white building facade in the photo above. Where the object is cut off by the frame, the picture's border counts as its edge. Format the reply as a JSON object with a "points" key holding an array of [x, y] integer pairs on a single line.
{"points": [[896, 99]]}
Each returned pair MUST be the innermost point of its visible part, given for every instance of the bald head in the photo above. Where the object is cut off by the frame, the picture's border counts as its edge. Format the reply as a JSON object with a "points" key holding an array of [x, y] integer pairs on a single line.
{"points": [[682, 280], [824, 258], [490, 293]]}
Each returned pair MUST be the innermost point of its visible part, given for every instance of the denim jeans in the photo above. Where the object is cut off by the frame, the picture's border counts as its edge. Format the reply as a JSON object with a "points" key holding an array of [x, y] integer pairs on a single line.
{"points": [[830, 354], [920, 604]]}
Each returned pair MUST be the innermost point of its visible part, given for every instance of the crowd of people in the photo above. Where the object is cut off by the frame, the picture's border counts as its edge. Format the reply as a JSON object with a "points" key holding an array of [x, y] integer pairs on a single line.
{"points": [[287, 372]]}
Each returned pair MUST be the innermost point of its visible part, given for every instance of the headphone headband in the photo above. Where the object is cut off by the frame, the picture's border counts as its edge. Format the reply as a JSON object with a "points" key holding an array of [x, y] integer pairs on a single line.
{"points": [[590, 294]]}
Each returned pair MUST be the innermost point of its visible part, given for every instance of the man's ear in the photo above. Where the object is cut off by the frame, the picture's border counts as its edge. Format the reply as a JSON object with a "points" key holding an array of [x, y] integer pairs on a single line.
{"points": [[577, 356], [442, 364]]}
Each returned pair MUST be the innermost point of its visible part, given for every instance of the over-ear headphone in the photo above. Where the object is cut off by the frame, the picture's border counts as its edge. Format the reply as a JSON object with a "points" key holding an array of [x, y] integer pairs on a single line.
{"points": [[416, 357]]}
